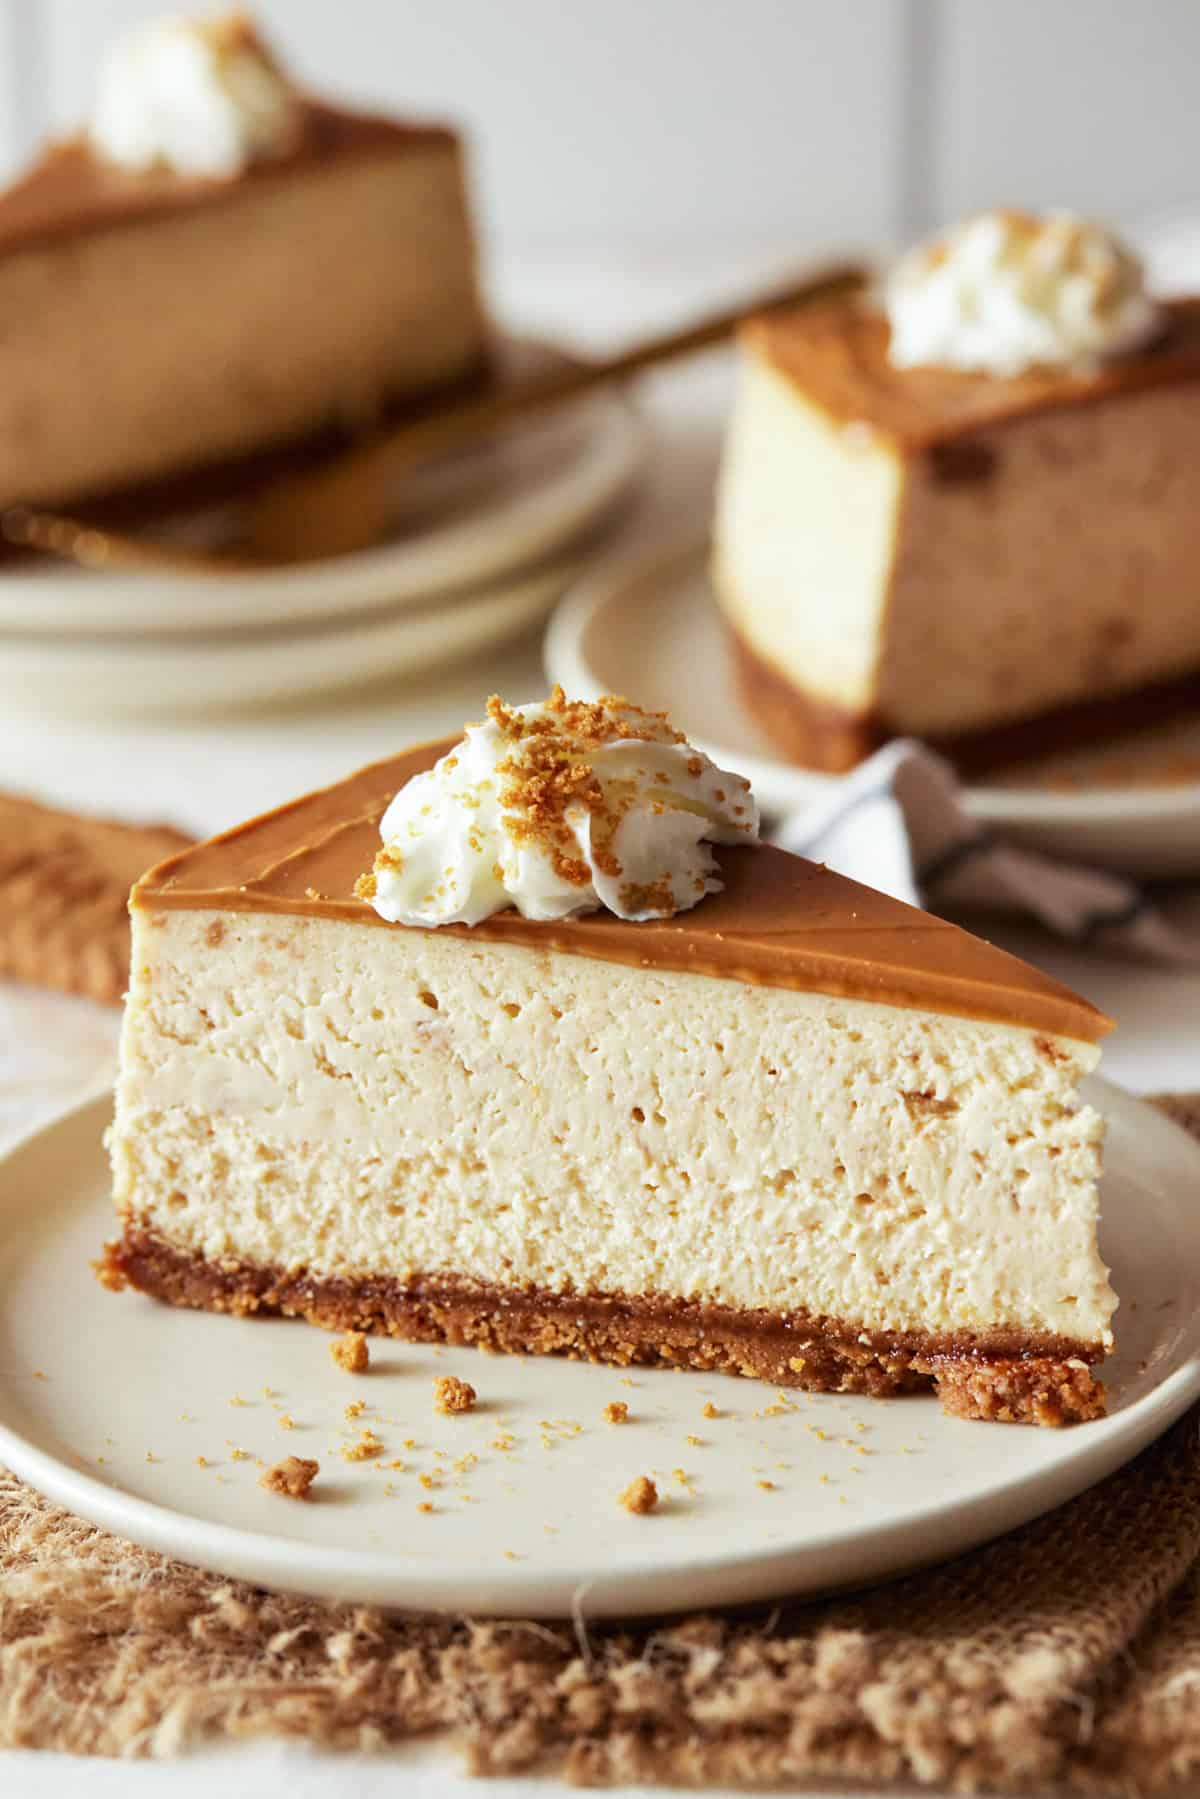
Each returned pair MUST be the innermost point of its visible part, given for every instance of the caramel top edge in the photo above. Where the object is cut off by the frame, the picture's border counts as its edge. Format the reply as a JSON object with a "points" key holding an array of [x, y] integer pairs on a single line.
{"points": [[72, 192], [836, 357], [781, 921]]}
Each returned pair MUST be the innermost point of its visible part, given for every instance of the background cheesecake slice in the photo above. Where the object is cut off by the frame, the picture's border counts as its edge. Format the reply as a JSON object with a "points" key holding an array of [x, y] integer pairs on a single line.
{"points": [[152, 321], [995, 565], [799, 1132]]}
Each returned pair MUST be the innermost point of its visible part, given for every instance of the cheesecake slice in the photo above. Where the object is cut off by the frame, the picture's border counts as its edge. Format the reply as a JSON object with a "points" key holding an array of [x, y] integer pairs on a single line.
{"points": [[799, 1131], [156, 319], [998, 563]]}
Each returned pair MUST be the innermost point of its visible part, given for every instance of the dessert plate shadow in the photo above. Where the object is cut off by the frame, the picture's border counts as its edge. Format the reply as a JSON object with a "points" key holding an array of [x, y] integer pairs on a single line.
{"points": [[156, 1423], [647, 626]]}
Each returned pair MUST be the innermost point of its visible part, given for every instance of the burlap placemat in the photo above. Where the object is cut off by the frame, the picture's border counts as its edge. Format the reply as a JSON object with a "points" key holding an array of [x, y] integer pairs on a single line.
{"points": [[1067, 1655]]}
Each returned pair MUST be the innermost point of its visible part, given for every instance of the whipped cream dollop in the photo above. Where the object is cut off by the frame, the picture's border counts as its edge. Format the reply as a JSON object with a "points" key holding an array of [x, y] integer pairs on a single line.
{"points": [[198, 96], [1007, 291], [556, 808]]}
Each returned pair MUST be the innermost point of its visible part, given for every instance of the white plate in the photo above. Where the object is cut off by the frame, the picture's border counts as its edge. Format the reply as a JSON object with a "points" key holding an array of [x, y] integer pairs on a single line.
{"points": [[647, 626], [239, 669], [107, 1400], [472, 519]]}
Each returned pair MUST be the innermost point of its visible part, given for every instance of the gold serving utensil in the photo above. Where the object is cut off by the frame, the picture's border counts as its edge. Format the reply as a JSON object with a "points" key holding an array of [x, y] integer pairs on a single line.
{"points": [[346, 501], [98, 547]]}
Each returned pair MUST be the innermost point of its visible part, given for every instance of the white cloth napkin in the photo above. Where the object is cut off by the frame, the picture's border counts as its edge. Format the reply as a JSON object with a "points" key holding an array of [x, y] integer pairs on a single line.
{"points": [[899, 823]]}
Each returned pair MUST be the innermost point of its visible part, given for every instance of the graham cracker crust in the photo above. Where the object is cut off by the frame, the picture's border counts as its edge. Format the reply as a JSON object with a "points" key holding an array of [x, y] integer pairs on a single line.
{"points": [[818, 734], [1002, 1377]]}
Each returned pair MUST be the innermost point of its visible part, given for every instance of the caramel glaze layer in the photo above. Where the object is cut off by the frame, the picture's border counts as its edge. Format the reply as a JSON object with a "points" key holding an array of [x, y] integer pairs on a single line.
{"points": [[836, 355], [781, 921], [71, 191]]}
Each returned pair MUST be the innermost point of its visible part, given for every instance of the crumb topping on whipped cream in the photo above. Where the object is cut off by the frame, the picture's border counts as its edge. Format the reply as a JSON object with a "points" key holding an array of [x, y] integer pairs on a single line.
{"points": [[1007, 291], [557, 808], [197, 96]]}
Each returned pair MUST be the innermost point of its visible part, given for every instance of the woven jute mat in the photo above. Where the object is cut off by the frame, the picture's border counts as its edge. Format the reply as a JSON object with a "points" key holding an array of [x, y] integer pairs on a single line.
{"points": [[1066, 1655]]}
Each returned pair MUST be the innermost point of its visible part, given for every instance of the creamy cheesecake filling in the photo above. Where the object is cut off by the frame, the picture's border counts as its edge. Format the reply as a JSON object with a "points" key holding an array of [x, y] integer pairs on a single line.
{"points": [[805, 537], [399, 1103]]}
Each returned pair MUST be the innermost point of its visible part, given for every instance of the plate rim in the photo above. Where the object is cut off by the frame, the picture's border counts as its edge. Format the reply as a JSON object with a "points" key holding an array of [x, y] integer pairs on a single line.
{"points": [[119, 671], [738, 1578], [599, 587]]}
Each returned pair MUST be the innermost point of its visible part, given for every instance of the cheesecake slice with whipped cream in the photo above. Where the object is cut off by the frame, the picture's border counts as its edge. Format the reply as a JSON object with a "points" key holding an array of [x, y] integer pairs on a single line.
{"points": [[527, 1041], [221, 265], [963, 510]]}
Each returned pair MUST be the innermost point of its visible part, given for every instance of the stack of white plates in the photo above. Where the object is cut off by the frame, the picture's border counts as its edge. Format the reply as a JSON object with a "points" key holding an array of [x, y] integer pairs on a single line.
{"points": [[482, 547]]}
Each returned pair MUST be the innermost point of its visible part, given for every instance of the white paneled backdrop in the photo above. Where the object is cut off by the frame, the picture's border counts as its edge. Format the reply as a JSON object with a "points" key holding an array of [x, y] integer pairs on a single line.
{"points": [[678, 127]]}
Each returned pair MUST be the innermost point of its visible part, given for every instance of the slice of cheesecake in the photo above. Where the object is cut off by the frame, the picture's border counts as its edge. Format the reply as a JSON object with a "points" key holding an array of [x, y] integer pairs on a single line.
{"points": [[155, 321], [997, 564], [799, 1132]]}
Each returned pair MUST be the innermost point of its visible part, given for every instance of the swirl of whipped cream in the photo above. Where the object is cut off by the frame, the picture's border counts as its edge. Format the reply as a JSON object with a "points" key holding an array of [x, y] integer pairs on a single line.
{"points": [[557, 808], [200, 97], [1008, 291]]}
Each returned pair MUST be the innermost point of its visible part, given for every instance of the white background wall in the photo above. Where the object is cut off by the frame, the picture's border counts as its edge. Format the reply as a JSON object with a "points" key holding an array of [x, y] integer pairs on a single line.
{"points": [[670, 126]]}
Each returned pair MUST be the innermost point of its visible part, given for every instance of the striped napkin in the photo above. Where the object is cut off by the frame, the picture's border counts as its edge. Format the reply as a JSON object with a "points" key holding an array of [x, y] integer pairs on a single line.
{"points": [[898, 823]]}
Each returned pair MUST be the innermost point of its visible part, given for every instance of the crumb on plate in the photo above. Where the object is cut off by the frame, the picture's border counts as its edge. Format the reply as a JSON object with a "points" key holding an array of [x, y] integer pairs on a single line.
{"points": [[452, 1395], [641, 1495], [616, 1412], [351, 1353], [292, 1477]]}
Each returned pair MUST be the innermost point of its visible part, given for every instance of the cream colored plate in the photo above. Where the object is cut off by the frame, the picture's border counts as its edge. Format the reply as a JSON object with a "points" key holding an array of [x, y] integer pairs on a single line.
{"points": [[108, 1402], [472, 519], [647, 626], [220, 671]]}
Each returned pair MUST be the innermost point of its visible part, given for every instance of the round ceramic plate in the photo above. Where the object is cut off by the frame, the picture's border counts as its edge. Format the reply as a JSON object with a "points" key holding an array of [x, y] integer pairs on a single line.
{"points": [[157, 1424], [647, 626], [224, 670], [473, 518]]}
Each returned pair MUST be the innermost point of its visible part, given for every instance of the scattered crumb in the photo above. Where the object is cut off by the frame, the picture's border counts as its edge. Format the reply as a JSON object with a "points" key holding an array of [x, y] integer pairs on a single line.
{"points": [[269, 1393], [428, 1481], [351, 1353], [510, 1555], [693, 1442], [616, 1412], [292, 1477], [452, 1395], [355, 1408], [709, 1410], [368, 1445], [768, 1486], [286, 1421], [409, 1443], [397, 1464], [237, 1400], [641, 1495], [626, 1382], [40, 1374], [150, 1456], [240, 1455], [423, 1505], [201, 1461]]}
